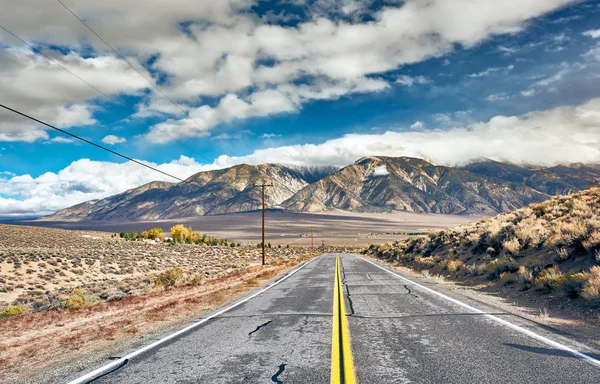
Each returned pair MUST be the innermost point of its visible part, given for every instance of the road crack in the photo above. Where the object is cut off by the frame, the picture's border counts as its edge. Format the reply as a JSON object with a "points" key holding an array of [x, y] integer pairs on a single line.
{"points": [[259, 327], [347, 289], [275, 377], [409, 291]]}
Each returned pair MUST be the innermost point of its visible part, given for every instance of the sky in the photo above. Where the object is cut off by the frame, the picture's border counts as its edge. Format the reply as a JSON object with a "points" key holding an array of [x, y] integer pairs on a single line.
{"points": [[209, 84]]}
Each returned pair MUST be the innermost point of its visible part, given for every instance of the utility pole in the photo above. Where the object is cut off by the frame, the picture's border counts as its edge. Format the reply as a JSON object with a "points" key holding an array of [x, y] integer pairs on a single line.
{"points": [[262, 187], [312, 239]]}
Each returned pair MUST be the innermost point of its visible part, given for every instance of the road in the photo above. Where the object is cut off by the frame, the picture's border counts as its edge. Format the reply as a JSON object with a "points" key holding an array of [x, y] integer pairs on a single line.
{"points": [[400, 331]]}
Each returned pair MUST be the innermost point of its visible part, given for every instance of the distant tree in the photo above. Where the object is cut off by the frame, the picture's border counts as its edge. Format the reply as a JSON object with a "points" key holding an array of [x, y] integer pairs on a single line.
{"points": [[196, 237], [156, 233], [279, 246], [232, 245], [180, 233], [122, 235], [143, 235], [259, 245], [239, 245], [268, 245]]}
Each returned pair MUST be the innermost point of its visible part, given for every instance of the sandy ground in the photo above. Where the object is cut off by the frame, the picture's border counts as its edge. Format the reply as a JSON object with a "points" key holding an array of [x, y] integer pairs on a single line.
{"points": [[336, 228]]}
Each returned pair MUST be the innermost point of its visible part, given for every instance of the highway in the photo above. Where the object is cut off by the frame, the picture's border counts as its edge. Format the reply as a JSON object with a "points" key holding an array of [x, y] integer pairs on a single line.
{"points": [[385, 329]]}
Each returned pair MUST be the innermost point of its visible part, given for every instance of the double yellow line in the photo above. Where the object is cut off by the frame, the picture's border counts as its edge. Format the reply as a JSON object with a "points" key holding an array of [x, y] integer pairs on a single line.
{"points": [[342, 364]]}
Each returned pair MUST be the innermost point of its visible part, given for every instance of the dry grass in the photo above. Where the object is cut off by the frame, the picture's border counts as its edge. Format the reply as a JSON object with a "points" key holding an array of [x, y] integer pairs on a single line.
{"points": [[34, 342], [549, 247], [39, 267]]}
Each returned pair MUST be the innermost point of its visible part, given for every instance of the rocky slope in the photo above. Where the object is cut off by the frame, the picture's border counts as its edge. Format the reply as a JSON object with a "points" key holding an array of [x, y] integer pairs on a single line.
{"points": [[205, 193], [407, 184], [550, 247], [372, 184]]}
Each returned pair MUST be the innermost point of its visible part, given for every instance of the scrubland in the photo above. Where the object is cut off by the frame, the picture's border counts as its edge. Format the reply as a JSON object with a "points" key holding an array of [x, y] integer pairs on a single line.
{"points": [[548, 251], [71, 297]]}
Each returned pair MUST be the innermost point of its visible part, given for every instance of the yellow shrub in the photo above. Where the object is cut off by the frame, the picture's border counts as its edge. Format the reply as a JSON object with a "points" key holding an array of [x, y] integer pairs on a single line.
{"points": [[74, 302], [156, 233], [180, 232], [454, 265], [13, 311]]}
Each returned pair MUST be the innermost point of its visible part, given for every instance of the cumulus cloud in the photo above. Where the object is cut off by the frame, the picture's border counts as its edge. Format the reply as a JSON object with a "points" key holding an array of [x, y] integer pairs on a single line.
{"points": [[593, 33], [112, 140], [40, 88], [409, 81], [562, 134], [417, 125], [82, 180], [220, 50], [497, 97]]}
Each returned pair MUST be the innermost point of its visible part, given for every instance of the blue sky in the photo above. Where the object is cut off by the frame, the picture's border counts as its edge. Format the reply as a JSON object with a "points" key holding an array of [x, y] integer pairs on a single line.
{"points": [[316, 82]]}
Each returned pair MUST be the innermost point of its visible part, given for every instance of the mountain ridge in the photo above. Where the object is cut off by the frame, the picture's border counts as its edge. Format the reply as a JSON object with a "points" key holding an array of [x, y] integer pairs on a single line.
{"points": [[371, 184]]}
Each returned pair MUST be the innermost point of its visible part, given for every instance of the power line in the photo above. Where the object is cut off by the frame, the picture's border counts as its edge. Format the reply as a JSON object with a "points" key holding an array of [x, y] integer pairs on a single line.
{"points": [[97, 90], [141, 74], [92, 143], [157, 87], [154, 85]]}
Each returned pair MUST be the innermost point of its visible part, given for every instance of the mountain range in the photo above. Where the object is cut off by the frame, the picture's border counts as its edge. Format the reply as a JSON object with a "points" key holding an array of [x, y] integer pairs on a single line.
{"points": [[371, 184]]}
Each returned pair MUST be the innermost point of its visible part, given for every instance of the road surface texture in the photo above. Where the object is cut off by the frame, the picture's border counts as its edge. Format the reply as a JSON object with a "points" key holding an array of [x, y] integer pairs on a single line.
{"points": [[401, 331]]}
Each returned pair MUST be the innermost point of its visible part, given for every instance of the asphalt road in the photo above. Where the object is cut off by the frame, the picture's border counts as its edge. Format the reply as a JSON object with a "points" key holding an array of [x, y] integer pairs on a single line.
{"points": [[400, 332]]}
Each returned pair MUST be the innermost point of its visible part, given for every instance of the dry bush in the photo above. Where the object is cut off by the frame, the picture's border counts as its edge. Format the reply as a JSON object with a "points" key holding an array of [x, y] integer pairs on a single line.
{"points": [[169, 278], [549, 279], [454, 265], [13, 311]]}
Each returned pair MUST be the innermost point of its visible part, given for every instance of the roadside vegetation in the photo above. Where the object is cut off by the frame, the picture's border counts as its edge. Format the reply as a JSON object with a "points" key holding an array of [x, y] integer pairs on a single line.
{"points": [[548, 248], [69, 295], [180, 234]]}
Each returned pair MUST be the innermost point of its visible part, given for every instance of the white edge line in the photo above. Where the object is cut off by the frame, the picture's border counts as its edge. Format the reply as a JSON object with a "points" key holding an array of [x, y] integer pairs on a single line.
{"points": [[499, 320], [115, 363]]}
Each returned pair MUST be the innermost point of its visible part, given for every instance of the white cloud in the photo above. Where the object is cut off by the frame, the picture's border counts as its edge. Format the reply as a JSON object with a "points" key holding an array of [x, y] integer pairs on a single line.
{"points": [[112, 140], [563, 134], [528, 93], [216, 49], [409, 81], [497, 97], [270, 135], [417, 125], [489, 71], [507, 50], [60, 140], [42, 89], [593, 33]]}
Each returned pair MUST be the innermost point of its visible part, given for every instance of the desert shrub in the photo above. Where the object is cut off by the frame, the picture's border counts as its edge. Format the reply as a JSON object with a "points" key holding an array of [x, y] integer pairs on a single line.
{"points": [[524, 277], [195, 236], [169, 278], [562, 254], [513, 246], [180, 233], [507, 278], [591, 290], [498, 266], [268, 245], [454, 265], [74, 302], [549, 279], [572, 285], [13, 311], [252, 281], [156, 233], [592, 243]]}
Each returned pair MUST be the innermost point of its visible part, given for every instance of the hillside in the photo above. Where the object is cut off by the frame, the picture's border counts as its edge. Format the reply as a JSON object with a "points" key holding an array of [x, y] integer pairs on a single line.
{"points": [[371, 184], [206, 193], [376, 184], [551, 247]]}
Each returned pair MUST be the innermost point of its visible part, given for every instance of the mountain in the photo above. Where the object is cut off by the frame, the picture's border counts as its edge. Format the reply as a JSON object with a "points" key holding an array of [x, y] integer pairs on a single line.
{"points": [[557, 180], [376, 184], [205, 193], [371, 184]]}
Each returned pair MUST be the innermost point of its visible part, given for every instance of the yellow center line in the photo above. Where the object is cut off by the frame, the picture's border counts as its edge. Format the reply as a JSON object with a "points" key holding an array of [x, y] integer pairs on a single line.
{"points": [[342, 364]]}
